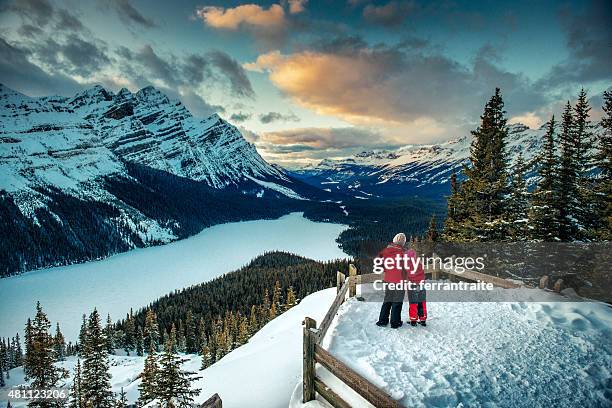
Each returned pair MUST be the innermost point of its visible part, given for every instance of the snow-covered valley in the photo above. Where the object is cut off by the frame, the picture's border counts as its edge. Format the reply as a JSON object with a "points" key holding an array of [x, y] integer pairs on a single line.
{"points": [[470, 354], [134, 279]]}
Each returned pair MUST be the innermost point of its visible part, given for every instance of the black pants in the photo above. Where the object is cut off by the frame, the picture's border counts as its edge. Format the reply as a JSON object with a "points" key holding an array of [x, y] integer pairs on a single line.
{"points": [[394, 299]]}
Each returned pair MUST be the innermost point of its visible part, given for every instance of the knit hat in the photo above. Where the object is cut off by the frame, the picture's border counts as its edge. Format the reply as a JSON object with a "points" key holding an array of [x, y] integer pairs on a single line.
{"points": [[400, 239]]}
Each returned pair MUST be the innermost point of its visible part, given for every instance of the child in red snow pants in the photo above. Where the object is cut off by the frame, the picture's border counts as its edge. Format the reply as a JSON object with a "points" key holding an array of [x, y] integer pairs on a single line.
{"points": [[418, 306]]}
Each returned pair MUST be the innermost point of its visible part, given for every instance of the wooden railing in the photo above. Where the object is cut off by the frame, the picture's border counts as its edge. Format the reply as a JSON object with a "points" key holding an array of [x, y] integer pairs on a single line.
{"points": [[314, 353], [213, 402]]}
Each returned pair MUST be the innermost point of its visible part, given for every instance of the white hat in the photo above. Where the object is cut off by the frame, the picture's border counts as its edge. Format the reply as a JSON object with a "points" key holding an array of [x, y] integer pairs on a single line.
{"points": [[400, 239]]}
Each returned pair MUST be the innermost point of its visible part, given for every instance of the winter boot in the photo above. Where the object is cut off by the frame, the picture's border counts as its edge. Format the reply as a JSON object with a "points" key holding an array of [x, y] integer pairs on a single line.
{"points": [[423, 323], [413, 324]]}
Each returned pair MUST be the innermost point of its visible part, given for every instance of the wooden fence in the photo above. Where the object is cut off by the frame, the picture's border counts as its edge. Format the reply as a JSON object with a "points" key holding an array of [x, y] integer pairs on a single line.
{"points": [[313, 353], [213, 402]]}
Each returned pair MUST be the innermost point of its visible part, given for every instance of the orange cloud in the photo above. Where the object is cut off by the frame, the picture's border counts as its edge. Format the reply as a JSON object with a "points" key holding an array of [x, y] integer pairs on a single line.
{"points": [[247, 14], [297, 6]]}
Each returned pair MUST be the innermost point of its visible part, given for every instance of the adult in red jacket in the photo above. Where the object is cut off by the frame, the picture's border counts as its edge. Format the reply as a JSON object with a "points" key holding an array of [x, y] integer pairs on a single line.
{"points": [[417, 310], [394, 298]]}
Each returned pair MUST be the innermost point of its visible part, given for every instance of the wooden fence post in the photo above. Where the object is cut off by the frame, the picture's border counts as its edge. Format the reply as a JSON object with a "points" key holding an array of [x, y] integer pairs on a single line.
{"points": [[308, 369], [544, 282], [352, 280], [559, 285], [339, 281]]}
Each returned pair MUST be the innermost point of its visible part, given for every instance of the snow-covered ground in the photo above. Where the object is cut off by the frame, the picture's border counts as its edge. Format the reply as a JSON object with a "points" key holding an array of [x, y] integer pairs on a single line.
{"points": [[470, 354], [507, 354], [136, 278]]}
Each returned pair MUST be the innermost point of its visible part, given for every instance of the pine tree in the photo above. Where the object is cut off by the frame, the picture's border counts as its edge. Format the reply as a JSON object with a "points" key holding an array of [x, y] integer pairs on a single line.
{"points": [[207, 358], [432, 231], [603, 185], [567, 203], [139, 342], [583, 136], [277, 294], [543, 212], [59, 344], [2, 369], [148, 379], [478, 207], [191, 338], [290, 299], [76, 394], [518, 204], [110, 335], [18, 351], [83, 334], [151, 331], [39, 361], [129, 338], [96, 386], [253, 322], [173, 384], [121, 402], [243, 332]]}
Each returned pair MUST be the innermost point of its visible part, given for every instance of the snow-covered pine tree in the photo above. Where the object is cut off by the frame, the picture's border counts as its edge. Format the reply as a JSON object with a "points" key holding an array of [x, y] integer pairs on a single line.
{"points": [[121, 401], [543, 212], [110, 335], [83, 333], [39, 362], [518, 202], [148, 379], [76, 394], [455, 215], [603, 187], [173, 384], [18, 351], [567, 202], [151, 331], [96, 388], [59, 344], [583, 136], [2, 368], [139, 342]]}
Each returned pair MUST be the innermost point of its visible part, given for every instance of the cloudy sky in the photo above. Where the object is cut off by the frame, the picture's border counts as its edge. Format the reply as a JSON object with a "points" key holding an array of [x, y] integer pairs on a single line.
{"points": [[308, 79]]}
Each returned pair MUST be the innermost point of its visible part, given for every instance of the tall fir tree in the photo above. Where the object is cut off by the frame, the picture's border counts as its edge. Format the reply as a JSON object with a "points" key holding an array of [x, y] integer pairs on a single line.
{"points": [[290, 299], [583, 137], [129, 337], [40, 358], [432, 231], [76, 394], [191, 337], [567, 200], [173, 384], [59, 344], [110, 335], [543, 212], [481, 200], [602, 230], [83, 333], [96, 386], [518, 202], [148, 379], [151, 331]]}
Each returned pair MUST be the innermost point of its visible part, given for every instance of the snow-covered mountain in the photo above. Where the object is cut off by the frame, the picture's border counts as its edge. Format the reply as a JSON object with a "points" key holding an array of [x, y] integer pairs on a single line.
{"points": [[87, 176], [412, 169]]}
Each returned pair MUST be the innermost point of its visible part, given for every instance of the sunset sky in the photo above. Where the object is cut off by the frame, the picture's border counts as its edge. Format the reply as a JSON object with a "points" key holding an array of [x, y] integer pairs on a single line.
{"points": [[308, 79]]}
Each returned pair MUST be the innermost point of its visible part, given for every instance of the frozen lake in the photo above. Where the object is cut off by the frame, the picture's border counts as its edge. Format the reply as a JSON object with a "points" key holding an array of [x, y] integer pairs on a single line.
{"points": [[136, 278]]}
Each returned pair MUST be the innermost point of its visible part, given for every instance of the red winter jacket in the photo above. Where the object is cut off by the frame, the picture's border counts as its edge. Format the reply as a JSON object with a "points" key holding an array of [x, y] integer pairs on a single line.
{"points": [[415, 275], [393, 275]]}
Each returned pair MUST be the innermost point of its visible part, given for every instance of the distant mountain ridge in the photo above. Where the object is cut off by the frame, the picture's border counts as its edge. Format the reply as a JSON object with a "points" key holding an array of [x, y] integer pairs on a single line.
{"points": [[422, 170], [87, 176]]}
